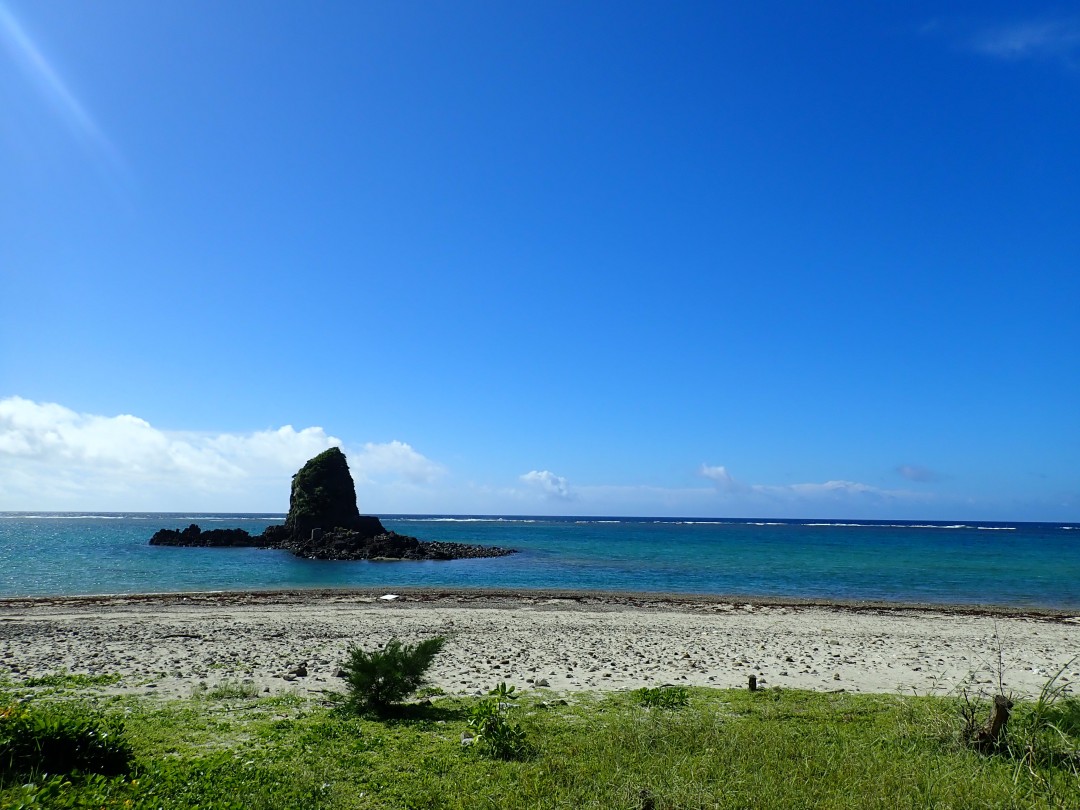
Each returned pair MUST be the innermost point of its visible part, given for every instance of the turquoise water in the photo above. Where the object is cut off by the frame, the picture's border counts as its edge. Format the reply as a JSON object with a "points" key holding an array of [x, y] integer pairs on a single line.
{"points": [[1023, 564]]}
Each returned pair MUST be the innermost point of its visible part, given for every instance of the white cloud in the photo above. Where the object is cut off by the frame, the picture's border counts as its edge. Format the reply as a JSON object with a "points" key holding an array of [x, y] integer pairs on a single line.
{"points": [[551, 485], [809, 495], [395, 458], [1046, 38], [1032, 39], [52, 457], [719, 476], [913, 472], [831, 489], [52, 435]]}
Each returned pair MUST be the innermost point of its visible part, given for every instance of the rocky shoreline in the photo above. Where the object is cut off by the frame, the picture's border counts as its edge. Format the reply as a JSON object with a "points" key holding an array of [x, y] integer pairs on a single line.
{"points": [[336, 545]]}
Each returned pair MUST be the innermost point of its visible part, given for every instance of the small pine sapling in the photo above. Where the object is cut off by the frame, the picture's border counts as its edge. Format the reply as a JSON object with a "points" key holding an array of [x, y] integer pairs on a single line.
{"points": [[380, 679]]}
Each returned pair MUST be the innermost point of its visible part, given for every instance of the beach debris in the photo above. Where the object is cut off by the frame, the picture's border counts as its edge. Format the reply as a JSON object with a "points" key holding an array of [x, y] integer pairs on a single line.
{"points": [[389, 597], [753, 683]]}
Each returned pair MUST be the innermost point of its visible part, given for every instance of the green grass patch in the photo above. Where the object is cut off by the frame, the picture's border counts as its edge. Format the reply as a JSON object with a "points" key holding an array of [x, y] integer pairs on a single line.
{"points": [[722, 749], [70, 680], [227, 690]]}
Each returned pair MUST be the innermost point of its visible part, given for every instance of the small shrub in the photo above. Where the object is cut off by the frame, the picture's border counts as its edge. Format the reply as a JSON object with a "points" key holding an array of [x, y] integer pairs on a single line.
{"points": [[664, 697], [60, 740], [377, 680], [493, 733]]}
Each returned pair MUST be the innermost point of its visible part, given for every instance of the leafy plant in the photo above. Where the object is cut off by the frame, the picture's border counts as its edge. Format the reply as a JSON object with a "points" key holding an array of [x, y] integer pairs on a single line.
{"points": [[377, 680], [504, 692], [60, 739], [664, 697], [492, 730]]}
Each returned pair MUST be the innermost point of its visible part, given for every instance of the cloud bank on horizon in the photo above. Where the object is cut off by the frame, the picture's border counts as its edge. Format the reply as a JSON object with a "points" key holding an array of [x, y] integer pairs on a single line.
{"points": [[56, 459]]}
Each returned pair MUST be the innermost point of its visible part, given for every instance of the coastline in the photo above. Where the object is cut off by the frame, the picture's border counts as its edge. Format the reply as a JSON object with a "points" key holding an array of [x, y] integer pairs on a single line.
{"points": [[508, 598], [172, 645]]}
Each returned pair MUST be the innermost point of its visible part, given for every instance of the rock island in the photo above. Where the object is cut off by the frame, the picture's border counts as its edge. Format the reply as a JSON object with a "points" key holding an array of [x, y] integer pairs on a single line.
{"points": [[324, 523]]}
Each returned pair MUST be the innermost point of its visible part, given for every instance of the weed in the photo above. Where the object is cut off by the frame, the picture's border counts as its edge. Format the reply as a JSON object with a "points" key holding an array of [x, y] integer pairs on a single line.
{"points": [[664, 697], [227, 690], [492, 731], [1047, 732], [71, 680], [502, 692]]}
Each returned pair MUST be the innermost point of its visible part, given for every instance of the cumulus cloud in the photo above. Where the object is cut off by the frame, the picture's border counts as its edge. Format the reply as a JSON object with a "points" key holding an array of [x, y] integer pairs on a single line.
{"points": [[50, 434], [395, 458], [56, 458], [720, 477], [551, 485], [913, 472]]}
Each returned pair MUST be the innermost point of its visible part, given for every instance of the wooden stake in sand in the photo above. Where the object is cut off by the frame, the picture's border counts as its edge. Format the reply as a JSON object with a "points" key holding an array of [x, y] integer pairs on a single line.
{"points": [[999, 718]]}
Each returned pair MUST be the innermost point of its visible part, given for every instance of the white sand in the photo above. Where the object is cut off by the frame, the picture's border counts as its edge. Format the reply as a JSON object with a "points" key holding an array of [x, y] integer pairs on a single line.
{"points": [[168, 645]]}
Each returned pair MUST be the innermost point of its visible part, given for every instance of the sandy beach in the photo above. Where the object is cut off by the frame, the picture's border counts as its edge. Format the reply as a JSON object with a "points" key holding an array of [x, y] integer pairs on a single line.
{"points": [[173, 645]]}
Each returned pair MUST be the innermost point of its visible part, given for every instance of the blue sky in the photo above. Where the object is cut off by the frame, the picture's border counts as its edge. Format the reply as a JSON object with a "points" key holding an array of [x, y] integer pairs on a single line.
{"points": [[770, 259]]}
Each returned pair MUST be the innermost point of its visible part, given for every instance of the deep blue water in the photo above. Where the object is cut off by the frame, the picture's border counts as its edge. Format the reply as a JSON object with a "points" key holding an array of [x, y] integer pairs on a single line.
{"points": [[1022, 564]]}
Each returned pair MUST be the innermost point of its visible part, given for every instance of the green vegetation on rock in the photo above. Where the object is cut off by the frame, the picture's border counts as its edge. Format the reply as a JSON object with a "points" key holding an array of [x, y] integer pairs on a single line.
{"points": [[323, 495]]}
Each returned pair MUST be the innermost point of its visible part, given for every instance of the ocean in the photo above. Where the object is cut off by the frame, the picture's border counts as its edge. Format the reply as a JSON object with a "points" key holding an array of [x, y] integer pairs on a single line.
{"points": [[1008, 564]]}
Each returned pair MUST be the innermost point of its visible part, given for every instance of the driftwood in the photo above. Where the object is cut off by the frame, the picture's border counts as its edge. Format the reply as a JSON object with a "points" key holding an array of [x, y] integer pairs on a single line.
{"points": [[990, 736]]}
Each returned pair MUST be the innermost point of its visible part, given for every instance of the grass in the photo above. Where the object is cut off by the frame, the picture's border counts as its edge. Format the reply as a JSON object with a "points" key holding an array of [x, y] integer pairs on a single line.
{"points": [[227, 690], [70, 680], [723, 749]]}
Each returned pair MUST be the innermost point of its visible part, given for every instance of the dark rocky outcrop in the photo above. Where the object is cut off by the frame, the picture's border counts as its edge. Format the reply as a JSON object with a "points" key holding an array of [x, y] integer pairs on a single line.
{"points": [[324, 523], [323, 497], [212, 538]]}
